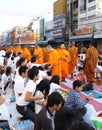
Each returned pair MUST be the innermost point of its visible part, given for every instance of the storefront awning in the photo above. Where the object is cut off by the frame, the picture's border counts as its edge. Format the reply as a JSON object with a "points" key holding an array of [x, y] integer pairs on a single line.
{"points": [[60, 40], [97, 36], [87, 37]]}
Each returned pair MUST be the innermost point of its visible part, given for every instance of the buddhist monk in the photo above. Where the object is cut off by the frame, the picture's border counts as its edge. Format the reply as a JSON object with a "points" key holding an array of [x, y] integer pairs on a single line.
{"points": [[54, 61], [90, 63], [73, 53], [39, 53], [65, 59], [26, 54]]}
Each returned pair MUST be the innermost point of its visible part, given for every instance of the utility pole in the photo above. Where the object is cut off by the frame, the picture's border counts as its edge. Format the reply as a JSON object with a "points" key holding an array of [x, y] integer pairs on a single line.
{"points": [[69, 23]]}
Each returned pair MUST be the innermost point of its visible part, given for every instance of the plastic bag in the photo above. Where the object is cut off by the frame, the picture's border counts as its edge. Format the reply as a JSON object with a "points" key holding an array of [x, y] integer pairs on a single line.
{"points": [[90, 111], [97, 120]]}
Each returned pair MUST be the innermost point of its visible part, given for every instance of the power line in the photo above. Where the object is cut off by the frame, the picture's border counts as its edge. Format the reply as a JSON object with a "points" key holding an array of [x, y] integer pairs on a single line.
{"points": [[13, 13]]}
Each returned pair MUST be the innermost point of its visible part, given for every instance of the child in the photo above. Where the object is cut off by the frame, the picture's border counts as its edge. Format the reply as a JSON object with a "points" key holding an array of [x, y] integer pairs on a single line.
{"points": [[74, 103], [81, 76]]}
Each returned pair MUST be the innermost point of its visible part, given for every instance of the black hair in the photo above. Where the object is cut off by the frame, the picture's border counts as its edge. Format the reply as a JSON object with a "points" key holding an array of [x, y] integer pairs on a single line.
{"points": [[54, 98], [40, 68], [33, 59], [55, 79], [22, 69], [33, 72], [8, 70], [52, 43], [12, 58], [81, 125], [80, 68], [44, 86], [77, 83], [20, 61]]}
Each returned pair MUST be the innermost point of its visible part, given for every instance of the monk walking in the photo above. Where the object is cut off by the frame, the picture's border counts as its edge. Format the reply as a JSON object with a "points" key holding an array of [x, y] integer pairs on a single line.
{"points": [[90, 63], [65, 59]]}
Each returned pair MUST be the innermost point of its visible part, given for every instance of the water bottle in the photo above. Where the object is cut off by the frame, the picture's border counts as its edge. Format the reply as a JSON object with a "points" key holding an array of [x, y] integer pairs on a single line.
{"points": [[26, 125], [22, 125], [18, 126]]}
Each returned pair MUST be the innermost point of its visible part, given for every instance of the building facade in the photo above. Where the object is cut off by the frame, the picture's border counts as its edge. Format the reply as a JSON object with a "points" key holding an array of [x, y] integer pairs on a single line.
{"points": [[59, 20], [89, 23]]}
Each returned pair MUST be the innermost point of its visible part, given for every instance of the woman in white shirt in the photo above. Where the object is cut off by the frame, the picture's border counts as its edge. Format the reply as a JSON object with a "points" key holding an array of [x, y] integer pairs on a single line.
{"points": [[6, 79], [55, 85], [21, 62], [42, 88], [25, 103]]}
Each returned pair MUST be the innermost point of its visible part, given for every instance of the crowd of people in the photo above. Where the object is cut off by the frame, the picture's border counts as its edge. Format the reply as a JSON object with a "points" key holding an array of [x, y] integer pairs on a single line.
{"points": [[34, 76]]}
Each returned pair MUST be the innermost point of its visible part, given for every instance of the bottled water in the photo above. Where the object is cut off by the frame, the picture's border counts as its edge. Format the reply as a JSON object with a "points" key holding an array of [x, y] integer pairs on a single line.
{"points": [[26, 125], [22, 125], [30, 125], [18, 126]]}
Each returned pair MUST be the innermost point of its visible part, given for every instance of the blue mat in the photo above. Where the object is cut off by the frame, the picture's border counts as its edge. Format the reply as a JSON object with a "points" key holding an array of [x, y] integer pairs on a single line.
{"points": [[95, 93]]}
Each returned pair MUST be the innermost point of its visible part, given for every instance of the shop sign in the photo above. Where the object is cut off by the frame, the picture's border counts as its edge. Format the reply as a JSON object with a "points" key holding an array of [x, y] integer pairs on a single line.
{"points": [[84, 30]]}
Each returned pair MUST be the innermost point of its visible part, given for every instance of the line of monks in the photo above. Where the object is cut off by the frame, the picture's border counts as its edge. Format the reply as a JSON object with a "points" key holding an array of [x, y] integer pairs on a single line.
{"points": [[62, 60]]}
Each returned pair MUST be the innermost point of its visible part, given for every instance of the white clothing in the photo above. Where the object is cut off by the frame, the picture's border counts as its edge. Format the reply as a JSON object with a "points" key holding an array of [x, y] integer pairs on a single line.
{"points": [[42, 75], [16, 59], [2, 53], [98, 68], [35, 64], [30, 87], [4, 80], [82, 57], [1, 61], [29, 64], [19, 86], [38, 105], [17, 73], [54, 87]]}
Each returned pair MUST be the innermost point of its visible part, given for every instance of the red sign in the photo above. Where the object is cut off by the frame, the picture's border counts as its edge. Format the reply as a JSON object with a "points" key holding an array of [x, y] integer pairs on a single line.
{"points": [[84, 30]]}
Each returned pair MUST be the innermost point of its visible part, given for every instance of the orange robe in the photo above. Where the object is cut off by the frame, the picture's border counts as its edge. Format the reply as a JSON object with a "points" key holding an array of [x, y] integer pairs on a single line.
{"points": [[38, 51], [73, 53], [54, 61], [90, 63], [46, 54], [18, 49], [65, 59], [26, 54]]}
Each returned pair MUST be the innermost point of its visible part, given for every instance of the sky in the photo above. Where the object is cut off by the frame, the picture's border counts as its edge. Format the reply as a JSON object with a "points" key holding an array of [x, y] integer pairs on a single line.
{"points": [[21, 12]]}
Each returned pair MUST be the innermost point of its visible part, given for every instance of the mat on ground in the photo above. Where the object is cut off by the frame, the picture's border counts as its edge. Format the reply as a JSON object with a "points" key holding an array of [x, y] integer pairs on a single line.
{"points": [[94, 92]]}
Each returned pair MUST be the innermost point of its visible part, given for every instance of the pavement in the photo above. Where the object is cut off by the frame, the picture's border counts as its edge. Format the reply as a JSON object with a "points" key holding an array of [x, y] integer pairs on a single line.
{"points": [[12, 105]]}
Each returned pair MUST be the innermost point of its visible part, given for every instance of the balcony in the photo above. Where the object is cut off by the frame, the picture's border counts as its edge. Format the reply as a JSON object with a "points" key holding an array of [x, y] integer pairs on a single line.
{"points": [[82, 8], [75, 11]]}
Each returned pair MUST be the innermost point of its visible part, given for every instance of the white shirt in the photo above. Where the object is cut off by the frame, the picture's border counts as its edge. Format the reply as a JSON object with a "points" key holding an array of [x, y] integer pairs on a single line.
{"points": [[2, 53], [38, 105], [1, 61], [42, 75], [30, 87], [19, 86], [54, 87], [4, 80], [35, 64], [17, 73]]}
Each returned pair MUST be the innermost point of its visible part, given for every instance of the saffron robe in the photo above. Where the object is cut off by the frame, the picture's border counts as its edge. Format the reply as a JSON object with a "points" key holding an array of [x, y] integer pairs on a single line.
{"points": [[90, 63]]}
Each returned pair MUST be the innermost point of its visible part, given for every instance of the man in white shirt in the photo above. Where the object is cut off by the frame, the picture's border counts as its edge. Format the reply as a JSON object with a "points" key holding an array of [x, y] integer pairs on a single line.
{"points": [[20, 82], [6, 79]]}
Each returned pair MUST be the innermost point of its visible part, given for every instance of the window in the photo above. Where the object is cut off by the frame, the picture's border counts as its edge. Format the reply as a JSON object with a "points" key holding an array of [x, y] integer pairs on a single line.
{"points": [[92, 8], [91, 0]]}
